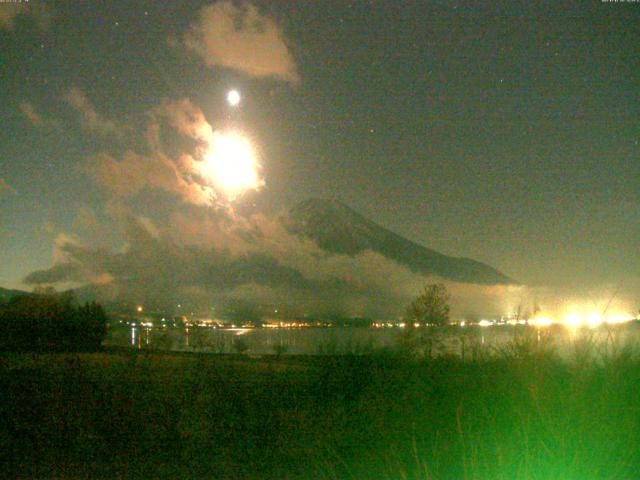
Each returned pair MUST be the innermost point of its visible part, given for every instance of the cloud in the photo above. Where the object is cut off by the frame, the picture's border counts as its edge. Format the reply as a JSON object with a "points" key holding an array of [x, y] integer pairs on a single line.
{"points": [[179, 140], [70, 266], [35, 118], [205, 257], [90, 119], [134, 173], [61, 243], [125, 177], [186, 118], [29, 112], [60, 272], [241, 39], [214, 157], [200, 251], [5, 188], [9, 11], [86, 219]]}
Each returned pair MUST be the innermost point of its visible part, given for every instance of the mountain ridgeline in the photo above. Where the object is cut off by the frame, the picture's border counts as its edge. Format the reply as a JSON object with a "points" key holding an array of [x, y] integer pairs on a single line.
{"points": [[7, 294], [337, 228]]}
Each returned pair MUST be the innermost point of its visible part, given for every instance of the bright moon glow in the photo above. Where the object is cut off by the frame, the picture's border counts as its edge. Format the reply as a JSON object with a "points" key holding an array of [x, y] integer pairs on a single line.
{"points": [[231, 164], [233, 97]]}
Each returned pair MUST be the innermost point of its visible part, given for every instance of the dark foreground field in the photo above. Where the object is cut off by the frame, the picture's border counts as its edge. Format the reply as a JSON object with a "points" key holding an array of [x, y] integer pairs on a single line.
{"points": [[522, 414]]}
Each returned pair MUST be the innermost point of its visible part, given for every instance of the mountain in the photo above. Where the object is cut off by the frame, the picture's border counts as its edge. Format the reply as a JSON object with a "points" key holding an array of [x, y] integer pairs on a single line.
{"points": [[337, 228], [6, 294], [165, 276]]}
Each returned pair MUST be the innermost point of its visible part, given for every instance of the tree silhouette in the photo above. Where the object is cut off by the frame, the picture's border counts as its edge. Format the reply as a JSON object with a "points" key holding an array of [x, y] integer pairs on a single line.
{"points": [[430, 308], [51, 322]]}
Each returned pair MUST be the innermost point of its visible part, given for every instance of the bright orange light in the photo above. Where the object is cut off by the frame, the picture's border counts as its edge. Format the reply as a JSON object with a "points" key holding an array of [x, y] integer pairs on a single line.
{"points": [[593, 319], [619, 318], [541, 321], [572, 320]]}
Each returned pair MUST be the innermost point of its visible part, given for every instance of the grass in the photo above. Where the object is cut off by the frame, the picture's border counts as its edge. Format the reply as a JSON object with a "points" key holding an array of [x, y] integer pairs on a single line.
{"points": [[519, 413]]}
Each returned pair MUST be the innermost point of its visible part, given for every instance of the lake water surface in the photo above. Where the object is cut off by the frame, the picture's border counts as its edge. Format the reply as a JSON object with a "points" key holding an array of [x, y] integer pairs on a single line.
{"points": [[341, 340]]}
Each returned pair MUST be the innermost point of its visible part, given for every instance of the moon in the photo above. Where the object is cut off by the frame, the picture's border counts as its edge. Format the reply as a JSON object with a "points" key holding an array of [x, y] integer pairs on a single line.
{"points": [[233, 98], [231, 164]]}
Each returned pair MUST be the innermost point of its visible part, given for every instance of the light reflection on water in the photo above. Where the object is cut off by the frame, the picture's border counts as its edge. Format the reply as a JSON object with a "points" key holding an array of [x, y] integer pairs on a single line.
{"points": [[340, 340]]}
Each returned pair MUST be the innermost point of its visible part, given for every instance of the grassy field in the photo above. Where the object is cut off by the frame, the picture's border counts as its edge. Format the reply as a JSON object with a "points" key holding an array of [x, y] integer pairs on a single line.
{"points": [[521, 413]]}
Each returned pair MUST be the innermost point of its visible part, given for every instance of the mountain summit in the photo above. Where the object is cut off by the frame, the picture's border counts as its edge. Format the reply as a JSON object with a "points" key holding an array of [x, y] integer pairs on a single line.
{"points": [[337, 228]]}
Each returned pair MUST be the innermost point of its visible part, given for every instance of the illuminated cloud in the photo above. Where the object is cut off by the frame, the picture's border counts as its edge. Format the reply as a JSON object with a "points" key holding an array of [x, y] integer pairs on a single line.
{"points": [[205, 255], [212, 253], [242, 39], [30, 113], [181, 157], [224, 162], [35, 118], [90, 119], [134, 173], [186, 118]]}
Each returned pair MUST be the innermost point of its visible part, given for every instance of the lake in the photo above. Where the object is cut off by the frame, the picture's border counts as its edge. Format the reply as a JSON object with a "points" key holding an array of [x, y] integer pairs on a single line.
{"points": [[345, 340]]}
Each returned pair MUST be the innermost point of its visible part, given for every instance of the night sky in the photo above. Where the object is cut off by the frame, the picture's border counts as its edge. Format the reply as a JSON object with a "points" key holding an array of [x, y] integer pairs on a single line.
{"points": [[507, 132]]}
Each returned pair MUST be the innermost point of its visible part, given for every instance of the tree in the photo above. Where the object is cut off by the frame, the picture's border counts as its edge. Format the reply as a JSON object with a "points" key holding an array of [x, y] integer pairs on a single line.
{"points": [[91, 327], [49, 323], [431, 307]]}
